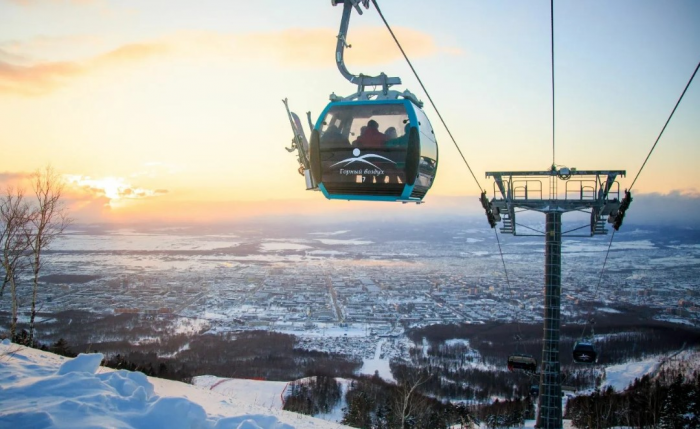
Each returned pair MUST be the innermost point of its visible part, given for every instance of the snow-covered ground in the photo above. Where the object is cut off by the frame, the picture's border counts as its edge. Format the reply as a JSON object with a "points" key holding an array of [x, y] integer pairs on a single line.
{"points": [[622, 375], [267, 394], [378, 365], [43, 390]]}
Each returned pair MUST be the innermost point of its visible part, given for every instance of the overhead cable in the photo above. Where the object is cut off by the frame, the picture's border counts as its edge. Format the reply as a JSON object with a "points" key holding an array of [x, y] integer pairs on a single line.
{"points": [[664, 128], [551, 14], [426, 91], [607, 253]]}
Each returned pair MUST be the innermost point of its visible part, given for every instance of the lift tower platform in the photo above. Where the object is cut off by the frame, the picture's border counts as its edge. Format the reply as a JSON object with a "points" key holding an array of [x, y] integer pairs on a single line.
{"points": [[584, 190]]}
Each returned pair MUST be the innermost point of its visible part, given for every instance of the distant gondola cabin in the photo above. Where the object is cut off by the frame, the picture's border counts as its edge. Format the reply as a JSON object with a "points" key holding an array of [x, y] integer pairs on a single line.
{"points": [[378, 150], [584, 352], [522, 362]]}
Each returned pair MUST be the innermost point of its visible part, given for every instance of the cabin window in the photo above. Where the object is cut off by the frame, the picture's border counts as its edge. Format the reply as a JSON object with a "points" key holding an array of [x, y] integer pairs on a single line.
{"points": [[365, 125]]}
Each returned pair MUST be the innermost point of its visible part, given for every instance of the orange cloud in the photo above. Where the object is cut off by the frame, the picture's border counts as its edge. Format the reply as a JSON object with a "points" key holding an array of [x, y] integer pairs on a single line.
{"points": [[314, 47], [114, 189], [36, 79], [36, 2], [41, 78], [128, 53], [19, 74]]}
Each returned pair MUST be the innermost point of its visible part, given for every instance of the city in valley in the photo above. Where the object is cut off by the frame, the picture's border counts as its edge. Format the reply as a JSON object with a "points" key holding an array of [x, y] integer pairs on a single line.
{"points": [[356, 288]]}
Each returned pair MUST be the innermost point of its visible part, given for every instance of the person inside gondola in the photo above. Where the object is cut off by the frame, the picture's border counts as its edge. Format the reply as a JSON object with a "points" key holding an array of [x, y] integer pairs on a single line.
{"points": [[390, 133], [362, 133], [400, 142], [371, 138], [333, 136]]}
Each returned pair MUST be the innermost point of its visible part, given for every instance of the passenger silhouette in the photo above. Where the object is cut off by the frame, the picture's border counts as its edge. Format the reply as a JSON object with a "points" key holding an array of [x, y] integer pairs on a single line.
{"points": [[333, 136], [372, 138]]}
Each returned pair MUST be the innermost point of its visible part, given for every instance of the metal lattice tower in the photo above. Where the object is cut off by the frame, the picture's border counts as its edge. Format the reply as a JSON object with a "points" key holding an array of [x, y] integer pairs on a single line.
{"points": [[592, 190]]}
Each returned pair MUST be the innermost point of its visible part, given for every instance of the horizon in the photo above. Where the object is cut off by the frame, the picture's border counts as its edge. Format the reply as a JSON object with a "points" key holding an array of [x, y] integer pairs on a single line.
{"points": [[171, 113]]}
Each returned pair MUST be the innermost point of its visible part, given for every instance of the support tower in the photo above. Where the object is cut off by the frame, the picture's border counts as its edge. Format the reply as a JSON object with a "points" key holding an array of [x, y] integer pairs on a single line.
{"points": [[591, 190]]}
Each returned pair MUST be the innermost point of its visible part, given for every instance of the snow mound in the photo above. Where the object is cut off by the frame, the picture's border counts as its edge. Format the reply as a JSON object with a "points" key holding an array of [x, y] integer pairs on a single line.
{"points": [[42, 390], [83, 363]]}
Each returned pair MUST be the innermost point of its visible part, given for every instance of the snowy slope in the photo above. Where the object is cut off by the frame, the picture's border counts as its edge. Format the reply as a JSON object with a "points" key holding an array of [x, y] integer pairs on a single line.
{"points": [[267, 394], [622, 375], [43, 390]]}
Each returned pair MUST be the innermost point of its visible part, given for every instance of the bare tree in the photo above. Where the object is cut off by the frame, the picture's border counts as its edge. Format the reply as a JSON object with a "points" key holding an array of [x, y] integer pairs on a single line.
{"points": [[47, 221], [14, 216], [408, 403]]}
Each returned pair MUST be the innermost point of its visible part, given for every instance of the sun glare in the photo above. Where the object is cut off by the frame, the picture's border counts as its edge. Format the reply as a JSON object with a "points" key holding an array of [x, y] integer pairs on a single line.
{"points": [[116, 189]]}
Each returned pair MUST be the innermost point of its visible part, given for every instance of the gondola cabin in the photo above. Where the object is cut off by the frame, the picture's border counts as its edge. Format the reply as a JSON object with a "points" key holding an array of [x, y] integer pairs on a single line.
{"points": [[522, 362], [584, 352], [535, 390], [376, 150]]}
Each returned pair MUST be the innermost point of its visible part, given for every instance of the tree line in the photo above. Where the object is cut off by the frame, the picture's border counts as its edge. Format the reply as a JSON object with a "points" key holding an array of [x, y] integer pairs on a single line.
{"points": [[313, 395], [671, 399], [506, 414], [626, 336], [246, 354], [374, 403]]}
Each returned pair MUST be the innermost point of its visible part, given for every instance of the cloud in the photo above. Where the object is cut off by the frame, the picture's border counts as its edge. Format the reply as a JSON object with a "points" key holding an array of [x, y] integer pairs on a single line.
{"points": [[43, 77], [8, 177], [22, 74], [315, 47], [130, 53], [114, 189], [37, 79], [38, 2], [6, 55], [678, 208]]}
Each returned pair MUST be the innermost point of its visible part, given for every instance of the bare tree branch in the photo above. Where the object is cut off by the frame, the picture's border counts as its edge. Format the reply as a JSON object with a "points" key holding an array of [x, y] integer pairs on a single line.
{"points": [[14, 216], [48, 221]]}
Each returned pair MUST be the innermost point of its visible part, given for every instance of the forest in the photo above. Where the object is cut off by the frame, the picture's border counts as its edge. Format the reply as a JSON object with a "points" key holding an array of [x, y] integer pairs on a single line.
{"points": [[147, 344], [670, 400]]}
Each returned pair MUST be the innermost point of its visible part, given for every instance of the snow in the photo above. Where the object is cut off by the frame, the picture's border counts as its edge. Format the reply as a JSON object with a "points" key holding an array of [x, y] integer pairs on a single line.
{"points": [[674, 320], [186, 325], [531, 424], [457, 341], [622, 375], [272, 246], [40, 389], [381, 366], [267, 394], [330, 233], [333, 242], [128, 240], [608, 310], [84, 363], [337, 414]]}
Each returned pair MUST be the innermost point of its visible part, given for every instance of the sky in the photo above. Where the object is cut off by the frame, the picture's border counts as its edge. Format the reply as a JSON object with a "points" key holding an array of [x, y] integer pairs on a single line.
{"points": [[171, 110]]}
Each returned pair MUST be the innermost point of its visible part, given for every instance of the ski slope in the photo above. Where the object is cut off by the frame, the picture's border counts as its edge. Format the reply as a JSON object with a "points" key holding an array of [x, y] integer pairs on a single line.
{"points": [[43, 390], [619, 377]]}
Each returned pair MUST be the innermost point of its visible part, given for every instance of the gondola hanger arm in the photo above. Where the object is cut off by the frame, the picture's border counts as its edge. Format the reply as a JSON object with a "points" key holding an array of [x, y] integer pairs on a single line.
{"points": [[361, 80]]}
